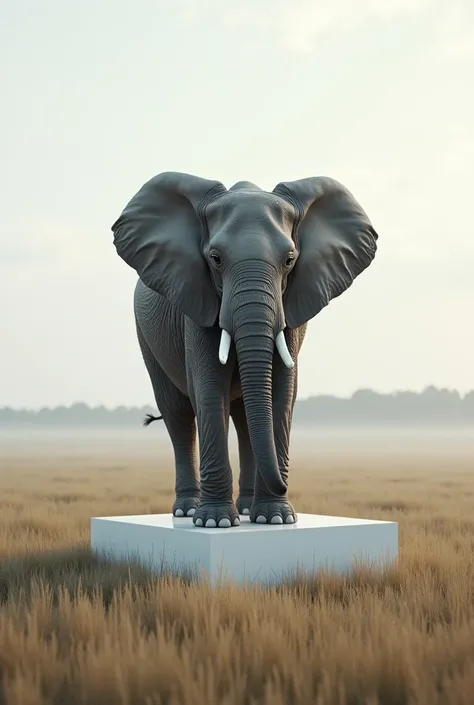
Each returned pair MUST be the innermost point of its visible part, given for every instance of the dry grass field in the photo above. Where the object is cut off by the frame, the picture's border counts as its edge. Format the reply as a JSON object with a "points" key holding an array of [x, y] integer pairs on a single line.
{"points": [[74, 630]]}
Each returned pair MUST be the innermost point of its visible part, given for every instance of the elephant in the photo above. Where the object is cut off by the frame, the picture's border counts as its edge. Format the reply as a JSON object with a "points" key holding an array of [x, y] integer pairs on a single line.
{"points": [[228, 280]]}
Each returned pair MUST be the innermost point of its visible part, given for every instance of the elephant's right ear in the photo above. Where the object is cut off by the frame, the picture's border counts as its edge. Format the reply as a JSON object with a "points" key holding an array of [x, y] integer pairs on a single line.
{"points": [[159, 235]]}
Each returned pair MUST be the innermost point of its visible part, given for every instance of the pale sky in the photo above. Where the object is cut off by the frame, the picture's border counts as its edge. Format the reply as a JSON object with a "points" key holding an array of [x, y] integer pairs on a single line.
{"points": [[98, 96]]}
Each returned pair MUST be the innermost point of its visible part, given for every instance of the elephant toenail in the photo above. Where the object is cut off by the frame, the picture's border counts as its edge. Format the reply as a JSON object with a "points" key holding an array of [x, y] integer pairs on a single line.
{"points": [[261, 519], [198, 522], [191, 512], [276, 519], [223, 524], [289, 519], [211, 524], [237, 522], [246, 511], [178, 513]]}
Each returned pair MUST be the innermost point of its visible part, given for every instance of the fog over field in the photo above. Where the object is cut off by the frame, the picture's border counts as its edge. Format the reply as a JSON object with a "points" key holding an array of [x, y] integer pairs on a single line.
{"points": [[307, 443]]}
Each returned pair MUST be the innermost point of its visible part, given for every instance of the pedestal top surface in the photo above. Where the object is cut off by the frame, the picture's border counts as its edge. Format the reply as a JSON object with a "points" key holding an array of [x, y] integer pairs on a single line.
{"points": [[305, 521]]}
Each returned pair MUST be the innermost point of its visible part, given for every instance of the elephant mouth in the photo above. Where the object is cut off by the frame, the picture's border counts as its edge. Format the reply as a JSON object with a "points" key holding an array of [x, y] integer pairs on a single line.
{"points": [[280, 343]]}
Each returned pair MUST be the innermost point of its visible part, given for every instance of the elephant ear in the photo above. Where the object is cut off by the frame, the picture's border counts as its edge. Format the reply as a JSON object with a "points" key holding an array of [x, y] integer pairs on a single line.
{"points": [[336, 242], [159, 234]]}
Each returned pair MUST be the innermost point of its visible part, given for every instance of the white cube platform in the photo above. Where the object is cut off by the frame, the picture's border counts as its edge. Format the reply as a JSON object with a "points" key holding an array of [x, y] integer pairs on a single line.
{"points": [[250, 553]]}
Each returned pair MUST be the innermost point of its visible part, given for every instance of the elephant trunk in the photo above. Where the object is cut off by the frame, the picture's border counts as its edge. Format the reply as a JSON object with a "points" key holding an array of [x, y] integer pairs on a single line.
{"points": [[253, 315]]}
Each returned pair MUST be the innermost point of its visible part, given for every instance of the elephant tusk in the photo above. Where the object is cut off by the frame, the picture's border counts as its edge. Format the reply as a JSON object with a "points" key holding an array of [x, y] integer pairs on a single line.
{"points": [[224, 347], [283, 350]]}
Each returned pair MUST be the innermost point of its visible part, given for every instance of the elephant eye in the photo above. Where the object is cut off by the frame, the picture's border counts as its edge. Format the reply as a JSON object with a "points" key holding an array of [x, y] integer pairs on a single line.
{"points": [[290, 258], [216, 258]]}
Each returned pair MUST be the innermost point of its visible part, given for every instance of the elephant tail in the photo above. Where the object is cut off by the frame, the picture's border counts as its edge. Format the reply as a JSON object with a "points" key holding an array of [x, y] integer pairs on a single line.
{"points": [[149, 418]]}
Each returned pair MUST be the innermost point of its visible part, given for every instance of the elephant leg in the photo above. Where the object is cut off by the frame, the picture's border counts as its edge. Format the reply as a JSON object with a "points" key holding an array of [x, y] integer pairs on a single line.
{"points": [[178, 416], [246, 457], [209, 390], [266, 508]]}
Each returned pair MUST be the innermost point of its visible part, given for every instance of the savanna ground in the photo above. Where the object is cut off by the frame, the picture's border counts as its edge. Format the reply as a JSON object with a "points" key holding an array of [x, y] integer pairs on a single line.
{"points": [[75, 630]]}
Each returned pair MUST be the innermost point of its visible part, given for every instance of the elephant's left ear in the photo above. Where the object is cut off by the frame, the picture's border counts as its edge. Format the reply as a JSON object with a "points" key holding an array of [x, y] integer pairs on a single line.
{"points": [[336, 242]]}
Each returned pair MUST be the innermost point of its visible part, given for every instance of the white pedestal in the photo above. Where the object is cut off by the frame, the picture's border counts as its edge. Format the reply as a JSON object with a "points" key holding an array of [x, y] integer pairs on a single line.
{"points": [[251, 553]]}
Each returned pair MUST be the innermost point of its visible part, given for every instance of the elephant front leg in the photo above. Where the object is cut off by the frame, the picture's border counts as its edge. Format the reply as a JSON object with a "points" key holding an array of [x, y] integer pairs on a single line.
{"points": [[209, 393], [265, 507], [246, 457]]}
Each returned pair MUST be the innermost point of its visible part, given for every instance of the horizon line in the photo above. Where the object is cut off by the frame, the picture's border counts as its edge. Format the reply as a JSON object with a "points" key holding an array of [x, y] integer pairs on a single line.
{"points": [[397, 392]]}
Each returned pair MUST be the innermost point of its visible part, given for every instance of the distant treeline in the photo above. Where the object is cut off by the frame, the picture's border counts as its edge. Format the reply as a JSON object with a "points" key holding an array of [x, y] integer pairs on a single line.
{"points": [[365, 407]]}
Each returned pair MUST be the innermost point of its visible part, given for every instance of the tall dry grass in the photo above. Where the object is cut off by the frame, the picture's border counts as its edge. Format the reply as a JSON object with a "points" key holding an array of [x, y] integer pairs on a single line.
{"points": [[74, 630]]}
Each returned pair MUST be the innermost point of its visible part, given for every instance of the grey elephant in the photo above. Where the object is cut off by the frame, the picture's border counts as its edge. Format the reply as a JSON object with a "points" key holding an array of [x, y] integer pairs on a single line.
{"points": [[228, 279]]}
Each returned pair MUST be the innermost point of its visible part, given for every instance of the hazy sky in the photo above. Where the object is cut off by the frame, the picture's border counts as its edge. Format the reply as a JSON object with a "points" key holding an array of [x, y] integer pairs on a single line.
{"points": [[97, 96]]}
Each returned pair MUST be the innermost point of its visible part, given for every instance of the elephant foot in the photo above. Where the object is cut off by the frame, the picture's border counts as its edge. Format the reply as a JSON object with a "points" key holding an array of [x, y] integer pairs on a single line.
{"points": [[213, 515], [244, 502], [273, 511], [185, 506]]}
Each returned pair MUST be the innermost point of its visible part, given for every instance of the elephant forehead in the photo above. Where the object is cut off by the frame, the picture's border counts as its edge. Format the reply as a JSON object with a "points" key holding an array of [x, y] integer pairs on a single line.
{"points": [[243, 210]]}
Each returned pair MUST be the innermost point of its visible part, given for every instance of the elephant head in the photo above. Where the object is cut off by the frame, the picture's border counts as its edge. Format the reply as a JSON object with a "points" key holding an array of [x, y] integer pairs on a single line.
{"points": [[251, 261]]}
